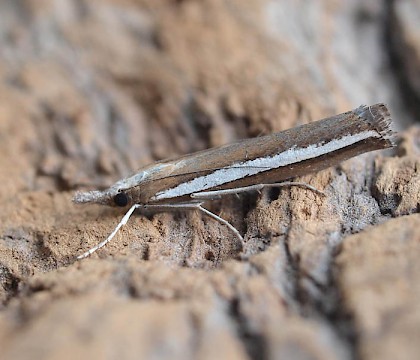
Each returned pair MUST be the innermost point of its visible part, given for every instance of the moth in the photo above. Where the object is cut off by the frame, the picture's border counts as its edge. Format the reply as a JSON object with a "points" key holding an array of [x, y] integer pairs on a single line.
{"points": [[186, 182]]}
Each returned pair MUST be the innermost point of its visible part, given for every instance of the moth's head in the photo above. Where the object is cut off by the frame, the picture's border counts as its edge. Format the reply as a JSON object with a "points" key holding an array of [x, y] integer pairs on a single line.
{"points": [[120, 194], [112, 196]]}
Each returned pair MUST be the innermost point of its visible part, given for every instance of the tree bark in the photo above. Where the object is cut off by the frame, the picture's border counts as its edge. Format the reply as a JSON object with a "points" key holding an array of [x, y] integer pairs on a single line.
{"points": [[92, 90]]}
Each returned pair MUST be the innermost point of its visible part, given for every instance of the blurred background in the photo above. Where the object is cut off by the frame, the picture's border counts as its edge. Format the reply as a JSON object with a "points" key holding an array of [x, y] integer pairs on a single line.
{"points": [[91, 90]]}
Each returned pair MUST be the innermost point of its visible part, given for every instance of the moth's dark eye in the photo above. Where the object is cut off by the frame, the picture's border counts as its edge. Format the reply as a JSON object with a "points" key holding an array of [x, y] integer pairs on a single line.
{"points": [[121, 199]]}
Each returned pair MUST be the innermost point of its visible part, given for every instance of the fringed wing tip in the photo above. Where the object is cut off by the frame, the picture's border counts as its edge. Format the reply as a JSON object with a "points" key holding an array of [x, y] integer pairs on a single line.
{"points": [[379, 117]]}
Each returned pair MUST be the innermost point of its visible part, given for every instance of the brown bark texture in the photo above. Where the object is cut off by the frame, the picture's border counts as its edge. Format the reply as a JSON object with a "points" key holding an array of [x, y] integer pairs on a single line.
{"points": [[91, 90]]}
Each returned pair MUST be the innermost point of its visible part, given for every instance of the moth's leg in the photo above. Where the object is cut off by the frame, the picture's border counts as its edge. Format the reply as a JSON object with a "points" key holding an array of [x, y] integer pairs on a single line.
{"points": [[224, 222], [195, 206], [109, 238], [217, 194], [161, 207]]}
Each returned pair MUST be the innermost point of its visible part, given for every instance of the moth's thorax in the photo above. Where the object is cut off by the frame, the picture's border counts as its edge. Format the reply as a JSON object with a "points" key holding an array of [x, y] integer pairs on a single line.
{"points": [[136, 189]]}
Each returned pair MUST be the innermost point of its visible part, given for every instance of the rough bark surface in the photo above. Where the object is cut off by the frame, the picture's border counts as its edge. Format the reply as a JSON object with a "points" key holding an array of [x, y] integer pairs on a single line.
{"points": [[91, 90]]}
